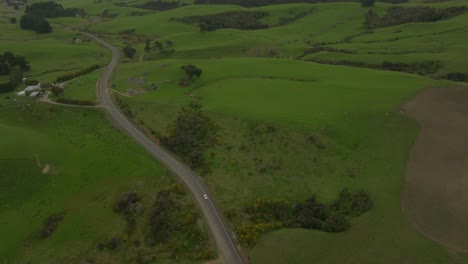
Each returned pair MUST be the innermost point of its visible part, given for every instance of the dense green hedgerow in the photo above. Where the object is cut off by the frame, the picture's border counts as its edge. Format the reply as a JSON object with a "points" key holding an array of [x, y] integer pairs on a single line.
{"points": [[72, 75], [401, 15], [246, 20]]}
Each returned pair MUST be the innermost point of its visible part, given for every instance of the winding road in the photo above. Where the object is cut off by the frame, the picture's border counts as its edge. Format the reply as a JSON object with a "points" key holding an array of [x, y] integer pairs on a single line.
{"points": [[227, 247]]}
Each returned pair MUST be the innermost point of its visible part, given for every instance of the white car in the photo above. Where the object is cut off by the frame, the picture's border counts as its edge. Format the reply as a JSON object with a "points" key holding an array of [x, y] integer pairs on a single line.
{"points": [[205, 196]]}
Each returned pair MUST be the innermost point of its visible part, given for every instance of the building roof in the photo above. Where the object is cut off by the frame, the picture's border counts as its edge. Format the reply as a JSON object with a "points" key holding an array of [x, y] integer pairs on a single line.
{"points": [[34, 94], [22, 93], [33, 87]]}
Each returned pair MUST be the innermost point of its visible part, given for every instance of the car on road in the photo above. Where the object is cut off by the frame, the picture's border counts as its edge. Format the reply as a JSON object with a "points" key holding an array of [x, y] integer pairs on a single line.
{"points": [[205, 196]]}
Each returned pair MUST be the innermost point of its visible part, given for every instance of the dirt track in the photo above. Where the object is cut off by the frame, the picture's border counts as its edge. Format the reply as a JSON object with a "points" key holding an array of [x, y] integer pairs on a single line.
{"points": [[435, 196]]}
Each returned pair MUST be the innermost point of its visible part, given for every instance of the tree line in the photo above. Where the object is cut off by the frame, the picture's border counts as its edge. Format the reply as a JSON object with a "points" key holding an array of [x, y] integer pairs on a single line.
{"points": [[254, 3], [401, 15], [35, 14], [246, 20], [266, 215]]}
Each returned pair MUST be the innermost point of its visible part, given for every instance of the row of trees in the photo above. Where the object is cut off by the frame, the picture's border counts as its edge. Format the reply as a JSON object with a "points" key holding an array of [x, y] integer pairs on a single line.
{"points": [[252, 3], [52, 9], [73, 75], [401, 15], [158, 46], [246, 20]]}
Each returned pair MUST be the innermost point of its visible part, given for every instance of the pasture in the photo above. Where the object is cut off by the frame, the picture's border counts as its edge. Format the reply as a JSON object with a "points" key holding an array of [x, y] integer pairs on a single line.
{"points": [[70, 160], [289, 127]]}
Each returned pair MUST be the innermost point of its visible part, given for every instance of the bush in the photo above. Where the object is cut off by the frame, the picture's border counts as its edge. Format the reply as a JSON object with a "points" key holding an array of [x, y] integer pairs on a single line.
{"points": [[269, 211], [31, 82], [113, 243], [352, 204], [128, 204], [50, 225], [248, 233], [336, 223], [457, 76], [401, 15], [73, 75], [7, 87], [75, 102]]}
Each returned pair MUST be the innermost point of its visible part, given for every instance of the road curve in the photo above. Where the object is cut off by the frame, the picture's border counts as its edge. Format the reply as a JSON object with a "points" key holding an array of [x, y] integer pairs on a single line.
{"points": [[223, 236]]}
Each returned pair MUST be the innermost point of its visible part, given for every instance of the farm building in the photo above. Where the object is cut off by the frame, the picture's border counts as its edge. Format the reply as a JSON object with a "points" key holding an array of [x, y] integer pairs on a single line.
{"points": [[31, 89]]}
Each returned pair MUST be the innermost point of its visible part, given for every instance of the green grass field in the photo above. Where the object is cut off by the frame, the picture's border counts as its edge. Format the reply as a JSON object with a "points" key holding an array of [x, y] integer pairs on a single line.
{"points": [[83, 87], [90, 165], [360, 138], [357, 117]]}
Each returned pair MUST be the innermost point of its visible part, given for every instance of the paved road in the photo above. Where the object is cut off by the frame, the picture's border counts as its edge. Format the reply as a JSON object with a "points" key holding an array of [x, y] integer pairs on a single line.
{"points": [[227, 247]]}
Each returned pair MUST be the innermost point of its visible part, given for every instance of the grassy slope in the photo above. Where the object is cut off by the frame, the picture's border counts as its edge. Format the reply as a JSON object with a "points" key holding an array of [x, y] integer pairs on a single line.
{"points": [[354, 114], [83, 87], [91, 163], [368, 139], [52, 54], [346, 107], [109, 165], [442, 40]]}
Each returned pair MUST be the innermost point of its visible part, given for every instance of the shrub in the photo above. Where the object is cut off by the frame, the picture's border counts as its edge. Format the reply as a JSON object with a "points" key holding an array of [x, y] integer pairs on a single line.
{"points": [[75, 101], [457, 76], [7, 87], [248, 233], [129, 51], [31, 82], [128, 204], [269, 211], [352, 204], [336, 223], [401, 15], [50, 225], [70, 76], [113, 243]]}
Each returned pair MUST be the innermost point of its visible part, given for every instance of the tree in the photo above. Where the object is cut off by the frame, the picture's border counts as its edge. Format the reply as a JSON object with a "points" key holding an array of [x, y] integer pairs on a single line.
{"points": [[169, 43], [147, 46], [191, 134], [13, 20], [55, 90], [191, 71], [367, 2], [16, 75], [36, 23], [129, 51], [158, 45]]}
